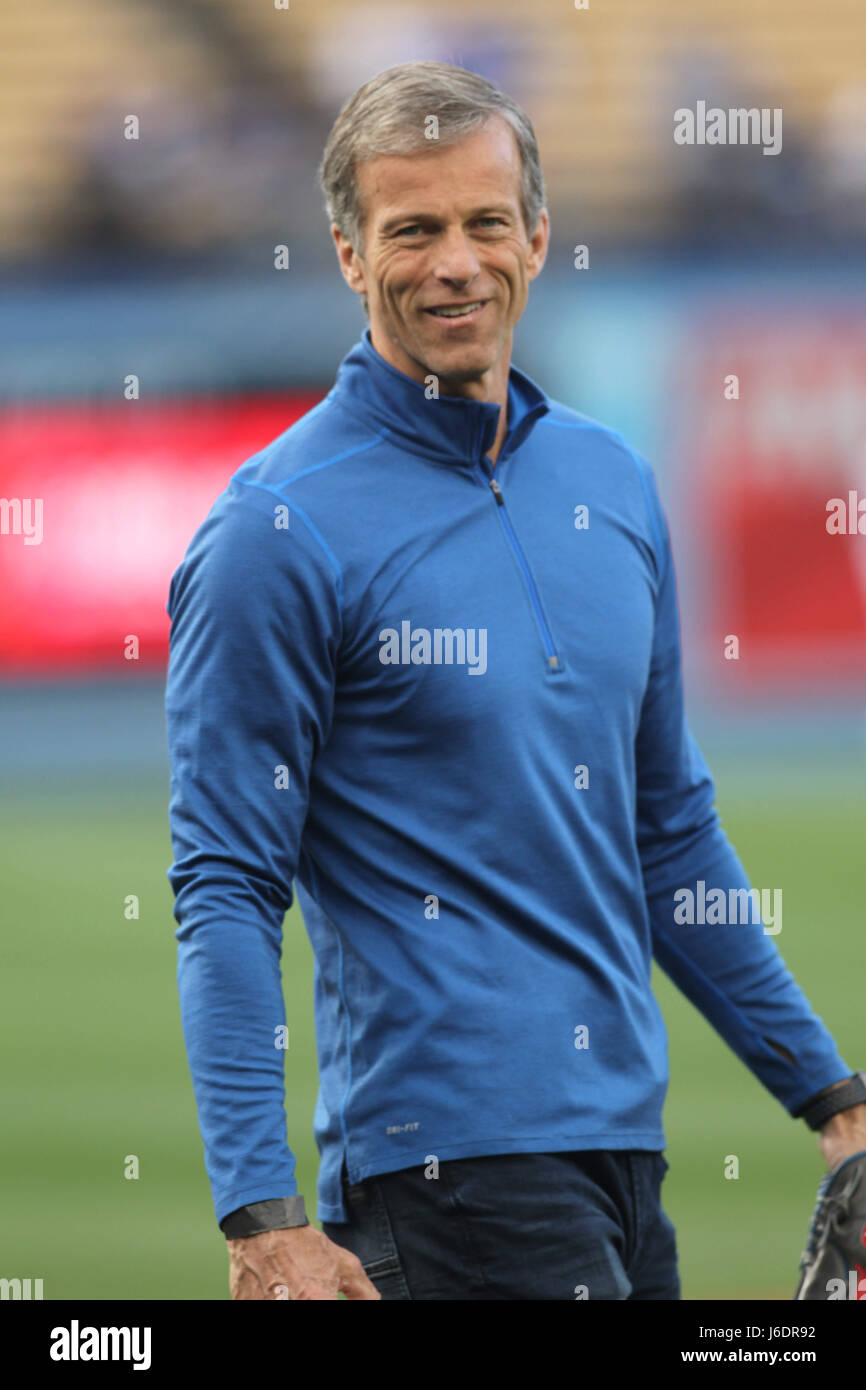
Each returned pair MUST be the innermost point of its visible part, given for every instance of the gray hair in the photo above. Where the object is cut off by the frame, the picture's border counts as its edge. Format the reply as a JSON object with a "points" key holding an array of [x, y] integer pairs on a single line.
{"points": [[388, 115]]}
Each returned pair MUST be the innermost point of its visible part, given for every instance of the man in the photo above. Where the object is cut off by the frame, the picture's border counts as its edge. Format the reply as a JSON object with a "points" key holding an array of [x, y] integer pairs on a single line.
{"points": [[425, 660]]}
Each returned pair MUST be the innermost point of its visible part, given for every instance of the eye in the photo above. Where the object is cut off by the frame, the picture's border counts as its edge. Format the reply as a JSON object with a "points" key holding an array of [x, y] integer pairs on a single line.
{"points": [[408, 229], [499, 220]]}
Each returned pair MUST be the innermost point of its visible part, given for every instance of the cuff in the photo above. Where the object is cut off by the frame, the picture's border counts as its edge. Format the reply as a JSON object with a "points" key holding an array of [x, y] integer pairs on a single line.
{"points": [[276, 1214], [821, 1108]]}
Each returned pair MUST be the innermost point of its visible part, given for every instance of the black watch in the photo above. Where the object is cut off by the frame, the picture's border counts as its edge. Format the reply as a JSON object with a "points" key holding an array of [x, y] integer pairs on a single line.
{"points": [[276, 1214], [818, 1111]]}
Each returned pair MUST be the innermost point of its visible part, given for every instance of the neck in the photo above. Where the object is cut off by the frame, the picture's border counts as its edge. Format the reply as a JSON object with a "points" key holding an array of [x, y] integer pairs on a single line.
{"points": [[501, 429], [490, 385]]}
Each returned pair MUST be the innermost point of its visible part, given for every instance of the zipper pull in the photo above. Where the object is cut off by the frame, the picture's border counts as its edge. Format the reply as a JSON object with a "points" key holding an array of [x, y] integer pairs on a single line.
{"points": [[497, 492]]}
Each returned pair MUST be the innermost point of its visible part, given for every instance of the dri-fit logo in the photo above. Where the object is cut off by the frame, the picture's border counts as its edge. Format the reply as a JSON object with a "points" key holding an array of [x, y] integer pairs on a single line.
{"points": [[76, 1343], [423, 646]]}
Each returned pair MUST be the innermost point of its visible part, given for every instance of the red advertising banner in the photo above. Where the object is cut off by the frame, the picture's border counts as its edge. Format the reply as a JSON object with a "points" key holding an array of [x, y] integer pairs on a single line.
{"points": [[97, 507], [775, 468]]}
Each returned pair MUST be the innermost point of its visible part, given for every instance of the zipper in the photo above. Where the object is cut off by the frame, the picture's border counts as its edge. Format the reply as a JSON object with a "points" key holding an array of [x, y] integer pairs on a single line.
{"points": [[553, 662]]}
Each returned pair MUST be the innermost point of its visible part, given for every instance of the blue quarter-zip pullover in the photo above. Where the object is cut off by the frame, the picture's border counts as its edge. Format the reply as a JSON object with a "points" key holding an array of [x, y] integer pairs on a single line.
{"points": [[447, 701]]}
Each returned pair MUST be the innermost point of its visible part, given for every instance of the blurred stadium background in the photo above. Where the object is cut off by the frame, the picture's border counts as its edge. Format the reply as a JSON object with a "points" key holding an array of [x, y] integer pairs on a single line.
{"points": [[154, 258]]}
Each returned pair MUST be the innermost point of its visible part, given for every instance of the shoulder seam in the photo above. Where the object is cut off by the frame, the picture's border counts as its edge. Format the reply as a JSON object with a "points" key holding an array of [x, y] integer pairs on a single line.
{"points": [[640, 469], [641, 465], [576, 424], [660, 550], [335, 458], [311, 527]]}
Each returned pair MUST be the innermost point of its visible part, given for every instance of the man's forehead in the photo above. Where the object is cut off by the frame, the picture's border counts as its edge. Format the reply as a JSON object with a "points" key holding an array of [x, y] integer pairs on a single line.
{"points": [[481, 168]]}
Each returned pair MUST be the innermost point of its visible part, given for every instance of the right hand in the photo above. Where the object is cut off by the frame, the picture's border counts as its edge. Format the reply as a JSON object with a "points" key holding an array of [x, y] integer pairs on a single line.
{"points": [[298, 1262]]}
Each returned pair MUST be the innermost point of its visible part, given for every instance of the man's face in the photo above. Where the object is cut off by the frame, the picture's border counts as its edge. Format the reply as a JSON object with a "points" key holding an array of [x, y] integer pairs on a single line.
{"points": [[443, 230]]}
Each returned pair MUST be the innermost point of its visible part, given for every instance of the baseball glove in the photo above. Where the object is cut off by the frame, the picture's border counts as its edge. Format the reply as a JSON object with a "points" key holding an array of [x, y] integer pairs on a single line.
{"points": [[834, 1261]]}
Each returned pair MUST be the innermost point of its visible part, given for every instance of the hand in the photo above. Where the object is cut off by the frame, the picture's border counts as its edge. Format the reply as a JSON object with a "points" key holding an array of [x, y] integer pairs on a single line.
{"points": [[843, 1135], [294, 1264]]}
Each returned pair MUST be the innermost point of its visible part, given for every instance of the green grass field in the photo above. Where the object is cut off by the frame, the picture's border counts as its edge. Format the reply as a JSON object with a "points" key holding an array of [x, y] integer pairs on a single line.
{"points": [[94, 1066]]}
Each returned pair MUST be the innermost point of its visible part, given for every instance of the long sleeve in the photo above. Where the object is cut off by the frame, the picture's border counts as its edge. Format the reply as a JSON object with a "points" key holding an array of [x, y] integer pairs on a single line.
{"points": [[732, 971], [255, 615]]}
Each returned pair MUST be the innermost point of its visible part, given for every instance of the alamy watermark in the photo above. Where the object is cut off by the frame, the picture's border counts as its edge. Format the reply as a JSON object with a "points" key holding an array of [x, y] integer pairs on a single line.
{"points": [[423, 646], [23, 1289], [77, 1343], [740, 125], [22, 516], [717, 907]]}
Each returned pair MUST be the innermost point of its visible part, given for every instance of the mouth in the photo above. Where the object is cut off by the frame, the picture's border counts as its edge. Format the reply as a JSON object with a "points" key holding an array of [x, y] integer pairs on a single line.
{"points": [[468, 312]]}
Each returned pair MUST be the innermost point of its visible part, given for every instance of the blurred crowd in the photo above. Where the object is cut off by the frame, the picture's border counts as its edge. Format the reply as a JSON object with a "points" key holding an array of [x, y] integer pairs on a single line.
{"points": [[233, 104]]}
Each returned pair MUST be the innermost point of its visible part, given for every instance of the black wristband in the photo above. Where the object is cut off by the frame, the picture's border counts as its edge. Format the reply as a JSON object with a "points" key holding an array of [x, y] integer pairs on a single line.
{"points": [[276, 1214], [819, 1110]]}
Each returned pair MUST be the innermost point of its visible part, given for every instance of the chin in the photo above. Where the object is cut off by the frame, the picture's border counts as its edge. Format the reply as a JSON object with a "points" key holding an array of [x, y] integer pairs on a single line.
{"points": [[463, 371], [461, 360]]}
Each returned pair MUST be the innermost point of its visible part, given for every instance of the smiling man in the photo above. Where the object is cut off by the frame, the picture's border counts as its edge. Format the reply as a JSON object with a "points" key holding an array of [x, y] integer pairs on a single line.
{"points": [[486, 867], [447, 259]]}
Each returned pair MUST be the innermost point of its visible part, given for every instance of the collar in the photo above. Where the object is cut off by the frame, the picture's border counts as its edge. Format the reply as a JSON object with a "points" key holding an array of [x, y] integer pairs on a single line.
{"points": [[449, 429]]}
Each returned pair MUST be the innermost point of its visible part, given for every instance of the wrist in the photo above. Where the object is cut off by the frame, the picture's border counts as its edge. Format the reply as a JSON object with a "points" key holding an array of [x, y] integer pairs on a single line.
{"points": [[843, 1096], [846, 1122], [843, 1135], [275, 1214]]}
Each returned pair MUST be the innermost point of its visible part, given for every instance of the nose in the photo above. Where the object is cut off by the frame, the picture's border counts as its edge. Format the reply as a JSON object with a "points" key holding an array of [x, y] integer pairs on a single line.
{"points": [[456, 260]]}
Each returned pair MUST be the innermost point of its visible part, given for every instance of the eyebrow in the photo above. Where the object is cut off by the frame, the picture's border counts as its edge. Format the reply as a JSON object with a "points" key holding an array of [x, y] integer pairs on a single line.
{"points": [[409, 219]]}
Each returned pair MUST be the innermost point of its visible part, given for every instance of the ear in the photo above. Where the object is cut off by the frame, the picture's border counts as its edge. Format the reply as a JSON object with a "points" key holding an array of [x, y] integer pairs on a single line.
{"points": [[536, 253], [351, 263]]}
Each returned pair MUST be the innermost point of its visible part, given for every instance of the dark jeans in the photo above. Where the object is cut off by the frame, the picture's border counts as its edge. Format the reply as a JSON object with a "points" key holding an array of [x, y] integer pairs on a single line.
{"points": [[516, 1226]]}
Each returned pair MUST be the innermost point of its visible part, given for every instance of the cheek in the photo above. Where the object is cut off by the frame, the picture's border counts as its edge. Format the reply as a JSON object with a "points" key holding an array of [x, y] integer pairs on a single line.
{"points": [[513, 268], [517, 282], [396, 281]]}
